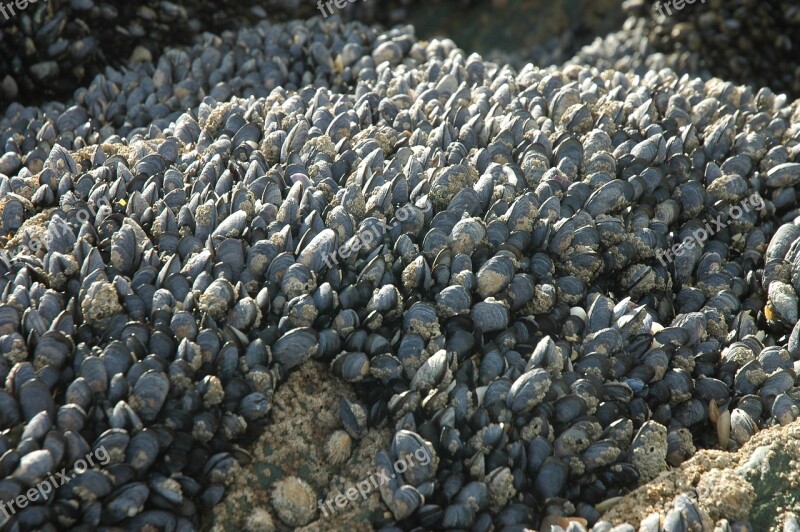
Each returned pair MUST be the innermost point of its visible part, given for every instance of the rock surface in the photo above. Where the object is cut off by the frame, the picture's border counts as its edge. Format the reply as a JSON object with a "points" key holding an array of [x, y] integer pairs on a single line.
{"points": [[304, 417], [759, 483]]}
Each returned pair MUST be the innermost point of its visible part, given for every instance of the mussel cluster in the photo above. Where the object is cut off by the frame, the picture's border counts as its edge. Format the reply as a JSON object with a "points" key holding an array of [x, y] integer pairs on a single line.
{"points": [[745, 41], [478, 250], [53, 47]]}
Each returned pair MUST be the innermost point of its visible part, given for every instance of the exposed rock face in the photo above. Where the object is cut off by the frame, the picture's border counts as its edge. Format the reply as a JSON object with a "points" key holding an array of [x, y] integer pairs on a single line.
{"points": [[759, 483]]}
